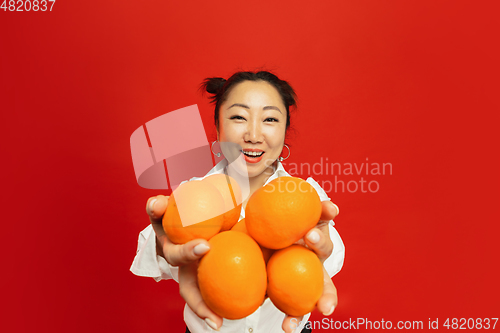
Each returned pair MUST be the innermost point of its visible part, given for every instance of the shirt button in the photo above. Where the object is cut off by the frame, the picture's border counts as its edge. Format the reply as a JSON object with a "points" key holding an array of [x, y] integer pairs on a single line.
{"points": [[250, 330]]}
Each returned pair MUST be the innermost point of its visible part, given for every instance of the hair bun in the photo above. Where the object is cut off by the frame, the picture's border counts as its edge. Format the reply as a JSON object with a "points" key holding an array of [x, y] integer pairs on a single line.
{"points": [[214, 85]]}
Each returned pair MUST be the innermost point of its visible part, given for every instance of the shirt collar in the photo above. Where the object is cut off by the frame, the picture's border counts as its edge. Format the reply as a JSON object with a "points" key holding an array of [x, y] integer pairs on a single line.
{"points": [[279, 172], [219, 168]]}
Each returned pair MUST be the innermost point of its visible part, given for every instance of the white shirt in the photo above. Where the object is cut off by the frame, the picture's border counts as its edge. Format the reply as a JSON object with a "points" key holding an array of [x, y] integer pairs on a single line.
{"points": [[267, 318]]}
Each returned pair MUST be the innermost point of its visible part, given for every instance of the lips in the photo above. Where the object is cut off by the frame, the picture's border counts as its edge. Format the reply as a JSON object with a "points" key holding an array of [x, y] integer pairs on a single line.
{"points": [[253, 155]]}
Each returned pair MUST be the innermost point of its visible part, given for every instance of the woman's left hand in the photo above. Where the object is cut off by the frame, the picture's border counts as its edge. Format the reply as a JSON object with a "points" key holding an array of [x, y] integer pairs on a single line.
{"points": [[318, 239]]}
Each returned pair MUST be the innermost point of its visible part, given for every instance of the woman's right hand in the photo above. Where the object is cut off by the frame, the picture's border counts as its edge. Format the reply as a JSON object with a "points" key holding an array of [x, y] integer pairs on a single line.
{"points": [[186, 256]]}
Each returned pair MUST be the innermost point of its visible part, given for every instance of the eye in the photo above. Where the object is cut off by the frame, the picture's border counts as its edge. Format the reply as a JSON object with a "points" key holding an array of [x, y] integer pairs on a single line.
{"points": [[237, 117], [271, 119]]}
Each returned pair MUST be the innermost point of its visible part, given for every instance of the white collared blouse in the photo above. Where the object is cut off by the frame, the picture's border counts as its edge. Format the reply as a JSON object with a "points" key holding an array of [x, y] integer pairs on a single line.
{"points": [[267, 318]]}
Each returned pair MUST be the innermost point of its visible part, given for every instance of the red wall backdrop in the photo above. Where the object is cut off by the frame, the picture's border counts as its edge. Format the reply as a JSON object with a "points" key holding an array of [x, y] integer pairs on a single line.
{"points": [[413, 84]]}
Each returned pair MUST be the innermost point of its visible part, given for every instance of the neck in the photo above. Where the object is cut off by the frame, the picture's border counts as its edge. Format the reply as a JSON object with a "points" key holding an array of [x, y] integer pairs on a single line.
{"points": [[258, 181]]}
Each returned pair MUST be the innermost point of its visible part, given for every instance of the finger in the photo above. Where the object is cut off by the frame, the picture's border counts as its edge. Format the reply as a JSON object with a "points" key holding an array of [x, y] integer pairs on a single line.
{"points": [[324, 227], [317, 241], [162, 241], [300, 242], [188, 288], [328, 300], [290, 323], [329, 210], [177, 255], [155, 207]]}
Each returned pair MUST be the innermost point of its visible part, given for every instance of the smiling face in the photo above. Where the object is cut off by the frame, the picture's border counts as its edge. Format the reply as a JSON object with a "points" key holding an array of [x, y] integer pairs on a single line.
{"points": [[254, 118]]}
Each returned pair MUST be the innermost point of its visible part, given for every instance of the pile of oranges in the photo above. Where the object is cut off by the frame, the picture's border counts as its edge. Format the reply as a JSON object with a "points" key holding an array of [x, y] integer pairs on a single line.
{"points": [[256, 256]]}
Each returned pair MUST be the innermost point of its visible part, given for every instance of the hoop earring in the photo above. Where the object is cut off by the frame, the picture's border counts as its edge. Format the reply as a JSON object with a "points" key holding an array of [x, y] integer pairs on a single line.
{"points": [[212, 149], [281, 159]]}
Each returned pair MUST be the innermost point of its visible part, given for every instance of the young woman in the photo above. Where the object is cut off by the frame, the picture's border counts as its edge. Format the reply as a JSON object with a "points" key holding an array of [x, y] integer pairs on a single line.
{"points": [[252, 114]]}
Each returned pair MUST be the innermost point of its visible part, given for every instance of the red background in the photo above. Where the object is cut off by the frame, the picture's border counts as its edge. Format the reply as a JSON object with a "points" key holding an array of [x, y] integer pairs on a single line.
{"points": [[414, 84]]}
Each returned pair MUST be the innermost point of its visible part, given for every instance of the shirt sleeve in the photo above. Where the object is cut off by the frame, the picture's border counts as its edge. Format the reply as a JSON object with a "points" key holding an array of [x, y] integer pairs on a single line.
{"points": [[333, 264], [147, 263]]}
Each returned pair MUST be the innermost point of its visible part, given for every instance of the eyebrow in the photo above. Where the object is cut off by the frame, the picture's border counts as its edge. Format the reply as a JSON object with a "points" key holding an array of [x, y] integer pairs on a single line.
{"points": [[270, 107]]}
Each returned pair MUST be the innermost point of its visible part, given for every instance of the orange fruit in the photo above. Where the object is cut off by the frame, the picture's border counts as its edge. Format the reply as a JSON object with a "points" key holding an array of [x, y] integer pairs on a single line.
{"points": [[231, 193], [282, 212], [232, 275], [295, 280], [267, 253], [194, 210], [241, 226]]}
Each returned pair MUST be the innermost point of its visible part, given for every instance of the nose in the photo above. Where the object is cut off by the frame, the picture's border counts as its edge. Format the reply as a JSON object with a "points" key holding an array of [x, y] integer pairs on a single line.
{"points": [[253, 132]]}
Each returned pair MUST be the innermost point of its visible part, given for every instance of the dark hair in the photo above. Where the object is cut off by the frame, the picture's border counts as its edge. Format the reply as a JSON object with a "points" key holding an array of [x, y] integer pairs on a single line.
{"points": [[220, 88]]}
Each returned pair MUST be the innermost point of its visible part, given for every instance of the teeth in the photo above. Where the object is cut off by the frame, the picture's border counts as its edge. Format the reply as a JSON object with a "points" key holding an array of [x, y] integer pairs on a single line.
{"points": [[252, 153]]}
